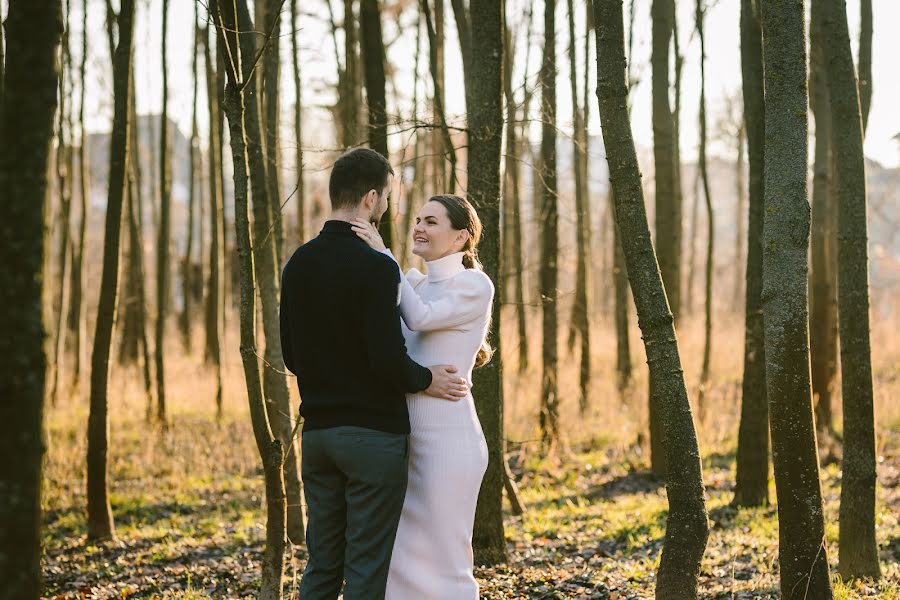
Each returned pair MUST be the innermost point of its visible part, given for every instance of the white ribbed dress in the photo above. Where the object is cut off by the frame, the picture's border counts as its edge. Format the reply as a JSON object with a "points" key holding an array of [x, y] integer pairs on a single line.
{"points": [[446, 315]]}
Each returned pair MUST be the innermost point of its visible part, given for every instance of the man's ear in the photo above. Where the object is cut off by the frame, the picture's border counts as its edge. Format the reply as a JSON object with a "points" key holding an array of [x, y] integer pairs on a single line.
{"points": [[370, 199]]}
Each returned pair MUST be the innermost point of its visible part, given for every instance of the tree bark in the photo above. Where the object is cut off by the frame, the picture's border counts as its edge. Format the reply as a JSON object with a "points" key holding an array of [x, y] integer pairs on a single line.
{"points": [[620, 284], [232, 18], [710, 220], [580, 324], [214, 292], [752, 479], [99, 517], [549, 416], [802, 553], [486, 121], [269, 86], [26, 128], [373, 50], [686, 525], [857, 550], [163, 237], [739, 211], [350, 99], [823, 299]]}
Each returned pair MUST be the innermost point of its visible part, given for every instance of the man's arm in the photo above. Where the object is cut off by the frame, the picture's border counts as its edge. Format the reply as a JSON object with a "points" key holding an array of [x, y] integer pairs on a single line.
{"points": [[384, 341], [287, 347]]}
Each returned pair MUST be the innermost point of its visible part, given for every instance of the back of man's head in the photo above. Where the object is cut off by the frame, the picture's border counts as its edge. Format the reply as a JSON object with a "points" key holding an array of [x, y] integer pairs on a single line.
{"points": [[354, 174]]}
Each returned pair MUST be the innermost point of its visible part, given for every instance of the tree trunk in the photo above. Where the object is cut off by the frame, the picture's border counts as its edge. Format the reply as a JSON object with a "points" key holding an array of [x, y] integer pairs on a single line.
{"points": [[486, 121], [752, 480], [76, 285], [710, 220], [823, 298], [441, 180], [298, 125], [802, 553], [865, 61], [349, 97], [620, 284], [64, 189], [99, 517], [269, 447], [373, 50], [549, 417], [435, 44], [739, 211], [668, 224], [188, 264], [514, 212], [163, 238], [214, 292], [271, 75], [580, 324], [858, 550], [662, 13], [26, 128], [686, 525]]}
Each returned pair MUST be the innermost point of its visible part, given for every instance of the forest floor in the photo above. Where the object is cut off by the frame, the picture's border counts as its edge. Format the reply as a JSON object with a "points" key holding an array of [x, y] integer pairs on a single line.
{"points": [[594, 526]]}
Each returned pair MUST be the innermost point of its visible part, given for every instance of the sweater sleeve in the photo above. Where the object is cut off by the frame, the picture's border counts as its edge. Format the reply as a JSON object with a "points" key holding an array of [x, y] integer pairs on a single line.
{"points": [[468, 298], [287, 347], [385, 345]]}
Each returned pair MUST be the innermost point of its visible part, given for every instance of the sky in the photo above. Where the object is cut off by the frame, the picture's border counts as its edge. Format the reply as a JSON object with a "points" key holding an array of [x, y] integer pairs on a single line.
{"points": [[319, 71]]}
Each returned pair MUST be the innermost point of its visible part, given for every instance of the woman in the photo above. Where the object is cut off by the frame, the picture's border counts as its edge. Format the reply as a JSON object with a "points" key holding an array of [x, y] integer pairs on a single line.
{"points": [[446, 315]]}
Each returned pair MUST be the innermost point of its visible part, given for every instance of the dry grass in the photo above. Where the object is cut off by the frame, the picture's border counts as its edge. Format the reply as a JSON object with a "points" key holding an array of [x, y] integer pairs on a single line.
{"points": [[188, 499]]}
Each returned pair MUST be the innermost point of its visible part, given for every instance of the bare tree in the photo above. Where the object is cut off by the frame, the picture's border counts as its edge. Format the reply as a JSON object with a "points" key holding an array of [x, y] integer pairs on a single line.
{"points": [[99, 517], [580, 325], [686, 525], [549, 417], [187, 266], [235, 27], [700, 14], [435, 51], [298, 125], [215, 297], [857, 550], [752, 479], [26, 128], [163, 237], [802, 554]]}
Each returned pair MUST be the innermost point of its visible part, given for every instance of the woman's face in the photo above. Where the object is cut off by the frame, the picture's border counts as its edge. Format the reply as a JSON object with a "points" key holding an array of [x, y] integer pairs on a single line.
{"points": [[433, 235]]}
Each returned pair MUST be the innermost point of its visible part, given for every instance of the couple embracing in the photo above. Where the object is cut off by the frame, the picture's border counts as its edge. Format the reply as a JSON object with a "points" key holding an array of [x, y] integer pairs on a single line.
{"points": [[392, 451]]}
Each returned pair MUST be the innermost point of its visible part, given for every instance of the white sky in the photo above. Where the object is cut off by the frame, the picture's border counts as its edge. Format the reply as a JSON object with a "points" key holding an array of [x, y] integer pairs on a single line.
{"points": [[319, 73]]}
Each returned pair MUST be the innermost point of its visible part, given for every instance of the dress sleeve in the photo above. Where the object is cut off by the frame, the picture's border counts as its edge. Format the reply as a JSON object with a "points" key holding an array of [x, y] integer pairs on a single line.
{"points": [[468, 298]]}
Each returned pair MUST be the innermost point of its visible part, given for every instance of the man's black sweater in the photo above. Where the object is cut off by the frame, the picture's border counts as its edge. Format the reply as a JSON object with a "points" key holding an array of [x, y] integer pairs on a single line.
{"points": [[341, 337]]}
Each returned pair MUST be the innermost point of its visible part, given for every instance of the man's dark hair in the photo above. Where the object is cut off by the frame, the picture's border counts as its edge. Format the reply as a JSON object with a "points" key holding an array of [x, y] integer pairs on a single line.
{"points": [[354, 174]]}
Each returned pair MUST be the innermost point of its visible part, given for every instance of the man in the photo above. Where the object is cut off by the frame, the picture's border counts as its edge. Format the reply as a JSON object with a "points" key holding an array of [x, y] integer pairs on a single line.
{"points": [[341, 337]]}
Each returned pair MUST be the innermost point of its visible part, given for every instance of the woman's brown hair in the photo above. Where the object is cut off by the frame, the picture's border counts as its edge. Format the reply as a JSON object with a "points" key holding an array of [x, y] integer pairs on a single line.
{"points": [[463, 216]]}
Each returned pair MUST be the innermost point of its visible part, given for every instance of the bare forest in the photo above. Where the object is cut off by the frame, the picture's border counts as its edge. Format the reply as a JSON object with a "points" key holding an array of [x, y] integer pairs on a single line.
{"points": [[690, 221]]}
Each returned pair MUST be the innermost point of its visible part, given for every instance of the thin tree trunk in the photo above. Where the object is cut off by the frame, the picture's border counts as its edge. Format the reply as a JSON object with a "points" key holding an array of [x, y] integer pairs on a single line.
{"points": [[26, 128], [688, 304], [823, 298], [620, 284], [214, 292], [752, 479], [188, 264], [865, 61], [549, 416], [686, 525], [373, 50], [710, 220], [350, 101], [514, 212], [739, 212], [580, 324], [269, 446], [298, 125], [64, 188], [270, 87], [99, 514], [486, 121], [802, 553], [857, 550], [440, 149], [76, 305], [435, 44], [163, 238]]}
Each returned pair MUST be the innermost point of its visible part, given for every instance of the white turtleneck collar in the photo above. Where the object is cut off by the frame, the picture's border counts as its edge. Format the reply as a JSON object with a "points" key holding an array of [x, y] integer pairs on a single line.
{"points": [[445, 267]]}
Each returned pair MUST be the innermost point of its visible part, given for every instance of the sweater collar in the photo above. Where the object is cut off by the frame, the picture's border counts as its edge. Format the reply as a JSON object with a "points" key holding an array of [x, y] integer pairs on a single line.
{"points": [[445, 267], [335, 226]]}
